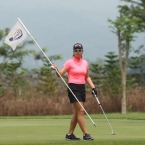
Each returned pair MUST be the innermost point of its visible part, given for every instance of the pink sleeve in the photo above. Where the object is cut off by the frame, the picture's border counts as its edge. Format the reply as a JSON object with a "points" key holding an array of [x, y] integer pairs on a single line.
{"points": [[66, 64], [87, 65]]}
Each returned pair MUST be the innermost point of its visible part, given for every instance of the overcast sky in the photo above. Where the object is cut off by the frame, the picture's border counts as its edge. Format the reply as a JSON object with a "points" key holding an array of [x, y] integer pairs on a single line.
{"points": [[59, 24]]}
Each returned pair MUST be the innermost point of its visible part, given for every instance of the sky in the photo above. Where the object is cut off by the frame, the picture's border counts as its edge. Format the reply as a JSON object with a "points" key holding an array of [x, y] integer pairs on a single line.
{"points": [[59, 24]]}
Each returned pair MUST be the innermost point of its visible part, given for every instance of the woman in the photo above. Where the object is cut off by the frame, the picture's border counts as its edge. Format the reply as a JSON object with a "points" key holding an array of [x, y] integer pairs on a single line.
{"points": [[77, 69]]}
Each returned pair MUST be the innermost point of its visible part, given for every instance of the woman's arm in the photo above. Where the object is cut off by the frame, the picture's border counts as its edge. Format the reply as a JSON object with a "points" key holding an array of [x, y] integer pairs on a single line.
{"points": [[89, 81], [61, 72]]}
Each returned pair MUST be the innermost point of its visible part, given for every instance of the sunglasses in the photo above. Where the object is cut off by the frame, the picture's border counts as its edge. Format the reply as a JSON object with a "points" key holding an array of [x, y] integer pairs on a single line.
{"points": [[78, 50]]}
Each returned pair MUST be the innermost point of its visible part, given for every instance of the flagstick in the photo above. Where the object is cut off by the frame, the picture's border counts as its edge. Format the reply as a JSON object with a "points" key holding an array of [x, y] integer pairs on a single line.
{"points": [[24, 26], [56, 70], [34, 40], [41, 49]]}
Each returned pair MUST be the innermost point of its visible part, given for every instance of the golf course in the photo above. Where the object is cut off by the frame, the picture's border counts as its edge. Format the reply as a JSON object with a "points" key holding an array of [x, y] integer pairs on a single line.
{"points": [[51, 130]]}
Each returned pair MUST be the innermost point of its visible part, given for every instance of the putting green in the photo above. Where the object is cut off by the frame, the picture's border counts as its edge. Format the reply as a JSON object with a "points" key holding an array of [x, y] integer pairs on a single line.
{"points": [[51, 130]]}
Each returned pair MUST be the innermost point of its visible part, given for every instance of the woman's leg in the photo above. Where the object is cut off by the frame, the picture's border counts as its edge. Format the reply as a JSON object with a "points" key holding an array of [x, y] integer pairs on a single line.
{"points": [[80, 116], [73, 123]]}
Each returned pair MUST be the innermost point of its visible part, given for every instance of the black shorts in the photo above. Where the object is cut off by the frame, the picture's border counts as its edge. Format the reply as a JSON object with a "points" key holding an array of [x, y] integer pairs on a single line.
{"points": [[79, 91]]}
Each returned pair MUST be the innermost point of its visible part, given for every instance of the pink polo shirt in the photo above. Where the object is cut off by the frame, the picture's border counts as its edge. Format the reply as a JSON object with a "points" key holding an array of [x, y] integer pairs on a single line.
{"points": [[77, 70]]}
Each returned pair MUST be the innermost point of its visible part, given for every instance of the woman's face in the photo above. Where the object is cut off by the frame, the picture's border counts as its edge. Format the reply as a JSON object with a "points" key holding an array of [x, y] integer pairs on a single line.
{"points": [[78, 53]]}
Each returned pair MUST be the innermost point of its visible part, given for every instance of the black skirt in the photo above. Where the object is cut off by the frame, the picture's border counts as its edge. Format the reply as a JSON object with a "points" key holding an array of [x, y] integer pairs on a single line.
{"points": [[79, 91]]}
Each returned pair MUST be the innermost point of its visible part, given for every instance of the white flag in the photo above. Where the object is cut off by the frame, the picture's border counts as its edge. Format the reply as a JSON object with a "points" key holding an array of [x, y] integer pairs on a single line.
{"points": [[16, 35]]}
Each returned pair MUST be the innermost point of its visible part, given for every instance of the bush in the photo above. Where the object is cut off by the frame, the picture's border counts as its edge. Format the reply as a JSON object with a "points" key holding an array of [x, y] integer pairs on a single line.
{"points": [[59, 104]]}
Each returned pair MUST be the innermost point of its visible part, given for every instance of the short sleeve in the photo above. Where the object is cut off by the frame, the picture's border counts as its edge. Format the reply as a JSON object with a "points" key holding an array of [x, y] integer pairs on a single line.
{"points": [[67, 64], [87, 66]]}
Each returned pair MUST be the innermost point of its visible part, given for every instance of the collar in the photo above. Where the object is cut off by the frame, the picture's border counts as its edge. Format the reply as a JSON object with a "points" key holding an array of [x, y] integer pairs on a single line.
{"points": [[77, 60]]}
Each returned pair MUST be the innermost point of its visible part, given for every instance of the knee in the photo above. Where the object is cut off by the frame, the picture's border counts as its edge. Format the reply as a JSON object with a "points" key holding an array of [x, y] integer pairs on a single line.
{"points": [[81, 111]]}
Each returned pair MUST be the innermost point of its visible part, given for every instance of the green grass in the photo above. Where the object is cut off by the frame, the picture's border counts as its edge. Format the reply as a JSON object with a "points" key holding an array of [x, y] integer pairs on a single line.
{"points": [[50, 130]]}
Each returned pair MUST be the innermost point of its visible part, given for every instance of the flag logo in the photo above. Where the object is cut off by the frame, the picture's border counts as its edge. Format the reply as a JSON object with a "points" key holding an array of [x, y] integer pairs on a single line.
{"points": [[17, 35]]}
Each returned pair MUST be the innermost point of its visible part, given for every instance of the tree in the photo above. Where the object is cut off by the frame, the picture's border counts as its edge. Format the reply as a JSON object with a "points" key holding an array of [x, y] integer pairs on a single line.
{"points": [[96, 71], [107, 76], [97, 74], [113, 77], [15, 79], [47, 81], [13, 76], [135, 9], [11, 65], [125, 28]]}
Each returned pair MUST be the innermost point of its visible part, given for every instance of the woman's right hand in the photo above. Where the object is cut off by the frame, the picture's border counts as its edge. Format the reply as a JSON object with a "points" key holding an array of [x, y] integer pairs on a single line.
{"points": [[54, 67]]}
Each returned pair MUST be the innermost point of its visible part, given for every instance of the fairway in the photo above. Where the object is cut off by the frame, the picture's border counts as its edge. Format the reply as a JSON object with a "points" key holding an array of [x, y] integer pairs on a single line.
{"points": [[47, 130]]}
